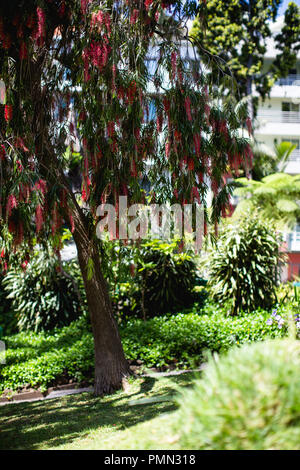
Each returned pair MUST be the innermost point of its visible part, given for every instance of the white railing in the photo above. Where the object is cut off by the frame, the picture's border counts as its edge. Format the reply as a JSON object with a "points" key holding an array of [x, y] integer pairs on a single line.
{"points": [[295, 156], [279, 116], [290, 80]]}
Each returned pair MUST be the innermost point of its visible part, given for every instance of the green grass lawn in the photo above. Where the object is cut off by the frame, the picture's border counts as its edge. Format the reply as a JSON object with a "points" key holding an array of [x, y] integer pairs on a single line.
{"points": [[86, 422]]}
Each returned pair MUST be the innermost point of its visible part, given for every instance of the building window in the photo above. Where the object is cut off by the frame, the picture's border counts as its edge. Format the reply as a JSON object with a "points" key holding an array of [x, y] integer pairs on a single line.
{"points": [[289, 106]]}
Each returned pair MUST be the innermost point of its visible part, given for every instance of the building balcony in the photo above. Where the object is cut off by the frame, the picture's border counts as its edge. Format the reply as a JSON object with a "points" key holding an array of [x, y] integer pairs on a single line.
{"points": [[271, 115], [295, 156], [290, 80], [277, 123]]}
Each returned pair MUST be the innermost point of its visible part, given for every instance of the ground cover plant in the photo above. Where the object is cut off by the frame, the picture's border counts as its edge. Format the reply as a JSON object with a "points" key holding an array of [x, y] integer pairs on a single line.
{"points": [[180, 341]]}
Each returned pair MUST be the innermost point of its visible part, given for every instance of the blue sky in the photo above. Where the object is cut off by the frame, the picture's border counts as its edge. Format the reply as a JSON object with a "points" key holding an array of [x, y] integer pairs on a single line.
{"points": [[285, 4]]}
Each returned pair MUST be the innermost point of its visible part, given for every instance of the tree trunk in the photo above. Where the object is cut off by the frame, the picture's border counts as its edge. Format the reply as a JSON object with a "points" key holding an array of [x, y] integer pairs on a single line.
{"points": [[110, 363]]}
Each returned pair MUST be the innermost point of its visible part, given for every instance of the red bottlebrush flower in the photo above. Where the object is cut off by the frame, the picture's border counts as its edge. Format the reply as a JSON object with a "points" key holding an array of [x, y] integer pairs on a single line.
{"points": [[214, 187], [8, 112], [131, 92], [41, 185], [84, 6], [39, 219], [62, 9], [23, 51], [197, 143], [19, 143], [110, 129], [167, 105], [57, 220], [6, 42], [200, 178], [12, 203], [133, 170], [2, 35], [249, 126], [107, 23], [20, 166], [174, 64], [137, 133], [5, 267], [41, 22], [2, 254], [159, 122], [82, 116], [187, 104], [168, 149], [148, 4], [2, 152], [195, 194], [71, 222], [177, 135], [97, 20], [30, 22], [191, 164], [134, 16], [24, 265]]}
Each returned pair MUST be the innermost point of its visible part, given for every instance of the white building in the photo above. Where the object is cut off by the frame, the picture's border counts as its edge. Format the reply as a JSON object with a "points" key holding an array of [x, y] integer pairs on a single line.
{"points": [[279, 116], [278, 120]]}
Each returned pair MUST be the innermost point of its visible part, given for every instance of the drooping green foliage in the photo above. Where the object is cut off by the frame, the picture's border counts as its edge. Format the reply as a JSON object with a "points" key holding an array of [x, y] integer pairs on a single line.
{"points": [[246, 400], [243, 267], [275, 197], [114, 81], [107, 89], [238, 31], [44, 296]]}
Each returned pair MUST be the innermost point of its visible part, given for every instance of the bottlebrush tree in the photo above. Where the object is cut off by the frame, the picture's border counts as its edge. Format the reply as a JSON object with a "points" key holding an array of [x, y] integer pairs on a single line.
{"points": [[81, 69]]}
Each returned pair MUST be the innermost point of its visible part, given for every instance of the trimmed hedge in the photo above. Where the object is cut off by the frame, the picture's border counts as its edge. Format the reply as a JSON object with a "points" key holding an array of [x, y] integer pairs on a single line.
{"points": [[40, 359]]}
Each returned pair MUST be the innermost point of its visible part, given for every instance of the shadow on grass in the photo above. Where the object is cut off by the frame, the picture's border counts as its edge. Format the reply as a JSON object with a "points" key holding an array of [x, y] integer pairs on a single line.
{"points": [[56, 422]]}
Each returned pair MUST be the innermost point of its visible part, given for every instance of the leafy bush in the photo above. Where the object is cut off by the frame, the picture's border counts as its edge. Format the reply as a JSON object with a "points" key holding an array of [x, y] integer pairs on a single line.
{"points": [[8, 319], [44, 296], [248, 399], [149, 278], [179, 340], [166, 277], [243, 266]]}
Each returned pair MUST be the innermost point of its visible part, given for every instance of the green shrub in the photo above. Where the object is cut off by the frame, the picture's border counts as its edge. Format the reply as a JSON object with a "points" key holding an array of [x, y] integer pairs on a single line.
{"points": [[8, 319], [243, 267], [165, 277], [182, 340], [44, 296], [248, 399], [149, 278]]}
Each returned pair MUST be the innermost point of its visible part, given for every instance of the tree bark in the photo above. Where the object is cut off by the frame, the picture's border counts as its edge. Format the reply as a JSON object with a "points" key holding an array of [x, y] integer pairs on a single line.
{"points": [[110, 363]]}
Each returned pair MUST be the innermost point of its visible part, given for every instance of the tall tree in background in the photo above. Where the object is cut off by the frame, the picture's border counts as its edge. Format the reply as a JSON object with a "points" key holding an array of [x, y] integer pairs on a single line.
{"points": [[237, 31], [81, 70]]}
